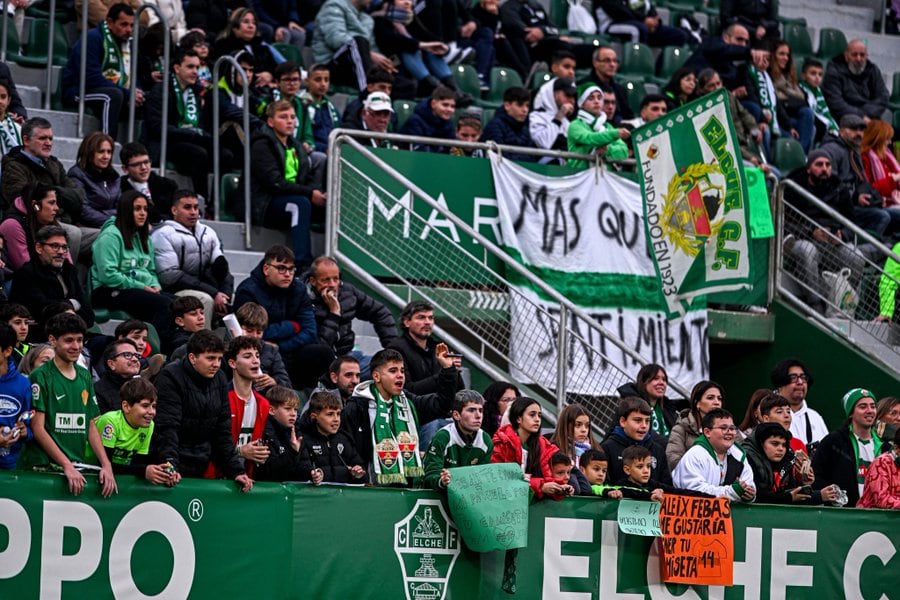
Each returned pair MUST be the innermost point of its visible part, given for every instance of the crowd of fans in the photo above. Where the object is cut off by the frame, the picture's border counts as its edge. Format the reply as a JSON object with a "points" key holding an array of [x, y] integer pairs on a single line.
{"points": [[201, 405]]}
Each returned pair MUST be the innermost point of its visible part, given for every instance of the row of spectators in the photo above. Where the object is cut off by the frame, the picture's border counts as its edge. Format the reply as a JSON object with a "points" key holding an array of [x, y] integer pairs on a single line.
{"points": [[197, 421]]}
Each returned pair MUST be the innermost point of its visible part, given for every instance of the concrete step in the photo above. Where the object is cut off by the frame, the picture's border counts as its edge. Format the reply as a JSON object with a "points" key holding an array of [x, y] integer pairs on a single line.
{"points": [[30, 95], [877, 339], [65, 124], [820, 14], [34, 77], [232, 236]]}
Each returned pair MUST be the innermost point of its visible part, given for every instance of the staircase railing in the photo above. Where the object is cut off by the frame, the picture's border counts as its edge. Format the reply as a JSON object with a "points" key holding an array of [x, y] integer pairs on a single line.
{"points": [[839, 279], [485, 342]]}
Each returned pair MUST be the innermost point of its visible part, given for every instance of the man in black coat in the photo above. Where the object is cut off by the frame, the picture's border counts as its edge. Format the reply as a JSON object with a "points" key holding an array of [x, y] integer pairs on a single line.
{"points": [[50, 277], [122, 362], [193, 417], [337, 303], [854, 85], [424, 370], [139, 176]]}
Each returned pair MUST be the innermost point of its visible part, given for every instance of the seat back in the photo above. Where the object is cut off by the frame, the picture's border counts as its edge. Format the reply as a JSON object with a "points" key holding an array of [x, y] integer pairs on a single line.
{"points": [[637, 59]]}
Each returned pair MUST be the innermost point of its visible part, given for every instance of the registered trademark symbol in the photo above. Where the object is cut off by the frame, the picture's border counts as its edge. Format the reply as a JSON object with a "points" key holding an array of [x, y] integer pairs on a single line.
{"points": [[195, 510]]}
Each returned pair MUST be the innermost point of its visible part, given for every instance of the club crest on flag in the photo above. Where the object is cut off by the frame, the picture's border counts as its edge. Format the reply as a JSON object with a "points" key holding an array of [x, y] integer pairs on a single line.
{"points": [[695, 201], [691, 211]]}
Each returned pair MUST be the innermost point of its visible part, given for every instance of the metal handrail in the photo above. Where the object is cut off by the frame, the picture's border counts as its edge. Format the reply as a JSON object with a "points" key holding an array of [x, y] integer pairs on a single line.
{"points": [[340, 136], [132, 100], [844, 221], [4, 32], [51, 33], [82, 69], [217, 167]]}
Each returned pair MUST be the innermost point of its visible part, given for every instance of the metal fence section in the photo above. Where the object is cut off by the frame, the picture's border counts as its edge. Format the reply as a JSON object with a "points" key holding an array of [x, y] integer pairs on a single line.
{"points": [[835, 272], [560, 353]]}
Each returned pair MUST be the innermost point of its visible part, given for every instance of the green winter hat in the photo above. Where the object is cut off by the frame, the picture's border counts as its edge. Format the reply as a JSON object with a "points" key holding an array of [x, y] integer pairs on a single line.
{"points": [[852, 397], [585, 90]]}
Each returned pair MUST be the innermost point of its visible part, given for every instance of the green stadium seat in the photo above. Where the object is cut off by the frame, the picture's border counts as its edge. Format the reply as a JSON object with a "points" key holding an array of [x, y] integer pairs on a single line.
{"points": [[36, 48], [466, 78], [13, 45], [229, 189], [486, 115], [540, 77], [404, 110], [831, 43], [789, 154], [896, 120], [635, 90], [637, 59], [798, 37], [558, 14], [673, 57], [290, 52], [894, 100], [502, 78]]}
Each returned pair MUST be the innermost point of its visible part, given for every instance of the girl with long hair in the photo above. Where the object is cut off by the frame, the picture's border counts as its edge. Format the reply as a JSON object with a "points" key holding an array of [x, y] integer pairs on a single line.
{"points": [[705, 396]]}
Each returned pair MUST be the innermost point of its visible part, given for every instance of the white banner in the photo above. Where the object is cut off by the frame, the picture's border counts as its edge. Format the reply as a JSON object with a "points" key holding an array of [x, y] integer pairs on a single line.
{"points": [[584, 236]]}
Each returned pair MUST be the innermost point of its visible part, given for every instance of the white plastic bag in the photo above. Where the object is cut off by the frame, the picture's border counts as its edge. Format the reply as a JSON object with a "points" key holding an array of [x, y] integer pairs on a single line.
{"points": [[842, 298], [580, 18]]}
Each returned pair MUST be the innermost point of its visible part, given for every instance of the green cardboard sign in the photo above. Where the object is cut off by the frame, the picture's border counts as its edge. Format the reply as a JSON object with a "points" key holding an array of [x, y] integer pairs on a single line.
{"points": [[489, 504]]}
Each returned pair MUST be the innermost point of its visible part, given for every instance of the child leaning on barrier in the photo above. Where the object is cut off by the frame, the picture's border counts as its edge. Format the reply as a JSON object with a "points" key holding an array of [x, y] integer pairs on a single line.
{"points": [[594, 464], [459, 444], [125, 434], [331, 452], [15, 390]]}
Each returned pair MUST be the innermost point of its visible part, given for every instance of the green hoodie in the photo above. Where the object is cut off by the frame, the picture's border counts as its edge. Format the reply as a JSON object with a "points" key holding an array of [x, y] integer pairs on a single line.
{"points": [[583, 139], [116, 267]]}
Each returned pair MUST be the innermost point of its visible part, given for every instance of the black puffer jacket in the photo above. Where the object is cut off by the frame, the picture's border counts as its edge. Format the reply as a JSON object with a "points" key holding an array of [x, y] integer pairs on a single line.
{"points": [[336, 331], [267, 172], [283, 464], [334, 454], [193, 421], [865, 94]]}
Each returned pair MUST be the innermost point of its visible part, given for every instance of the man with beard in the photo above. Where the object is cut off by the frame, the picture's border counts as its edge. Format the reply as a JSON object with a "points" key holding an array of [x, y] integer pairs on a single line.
{"points": [[50, 277], [792, 380], [813, 239], [855, 86], [108, 84], [844, 456], [423, 369], [123, 362], [846, 163]]}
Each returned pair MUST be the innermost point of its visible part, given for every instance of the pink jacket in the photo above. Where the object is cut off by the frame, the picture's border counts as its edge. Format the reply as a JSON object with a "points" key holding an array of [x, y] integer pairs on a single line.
{"points": [[882, 489]]}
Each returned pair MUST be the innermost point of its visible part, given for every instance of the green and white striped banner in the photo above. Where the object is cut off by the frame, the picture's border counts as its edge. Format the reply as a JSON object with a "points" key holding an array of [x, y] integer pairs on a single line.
{"points": [[583, 235], [695, 201]]}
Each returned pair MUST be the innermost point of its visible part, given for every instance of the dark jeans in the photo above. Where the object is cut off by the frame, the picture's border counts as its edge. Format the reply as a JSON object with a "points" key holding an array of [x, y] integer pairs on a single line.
{"points": [[295, 212], [140, 304]]}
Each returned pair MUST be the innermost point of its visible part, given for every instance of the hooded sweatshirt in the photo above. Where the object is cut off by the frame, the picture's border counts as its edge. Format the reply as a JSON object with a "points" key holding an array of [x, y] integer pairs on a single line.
{"points": [[545, 129], [117, 267], [15, 400]]}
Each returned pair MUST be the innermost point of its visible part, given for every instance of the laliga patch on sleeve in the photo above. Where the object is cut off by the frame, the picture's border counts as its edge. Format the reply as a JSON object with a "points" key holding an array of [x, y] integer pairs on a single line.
{"points": [[109, 432]]}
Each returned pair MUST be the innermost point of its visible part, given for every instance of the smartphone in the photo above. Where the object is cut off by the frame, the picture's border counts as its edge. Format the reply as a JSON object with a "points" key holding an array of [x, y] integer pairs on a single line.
{"points": [[454, 355], [807, 490]]}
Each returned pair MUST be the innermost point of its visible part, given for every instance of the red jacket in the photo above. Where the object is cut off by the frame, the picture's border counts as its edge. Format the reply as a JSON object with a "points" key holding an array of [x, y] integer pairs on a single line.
{"points": [[508, 448], [882, 489], [237, 417]]}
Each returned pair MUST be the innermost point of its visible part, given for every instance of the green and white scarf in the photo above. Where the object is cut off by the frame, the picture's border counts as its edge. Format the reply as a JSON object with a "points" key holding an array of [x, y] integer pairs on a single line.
{"points": [[188, 107], [395, 439], [597, 122], [10, 134], [816, 100], [658, 421], [767, 99], [115, 60]]}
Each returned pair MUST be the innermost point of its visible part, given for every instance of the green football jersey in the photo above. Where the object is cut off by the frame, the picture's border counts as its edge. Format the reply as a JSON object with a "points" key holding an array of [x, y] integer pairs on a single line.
{"points": [[126, 441]]}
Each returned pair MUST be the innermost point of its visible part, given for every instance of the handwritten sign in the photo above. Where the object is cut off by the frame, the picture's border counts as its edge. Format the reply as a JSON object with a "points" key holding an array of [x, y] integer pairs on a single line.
{"points": [[639, 518], [697, 540], [489, 504]]}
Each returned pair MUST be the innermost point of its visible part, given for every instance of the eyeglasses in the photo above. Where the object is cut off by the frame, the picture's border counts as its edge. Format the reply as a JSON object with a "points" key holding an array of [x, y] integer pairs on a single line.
{"points": [[140, 163], [283, 268], [128, 355], [56, 247], [726, 428], [795, 377]]}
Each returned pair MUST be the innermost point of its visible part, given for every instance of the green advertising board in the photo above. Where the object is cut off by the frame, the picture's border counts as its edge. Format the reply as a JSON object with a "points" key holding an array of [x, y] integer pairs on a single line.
{"points": [[204, 539]]}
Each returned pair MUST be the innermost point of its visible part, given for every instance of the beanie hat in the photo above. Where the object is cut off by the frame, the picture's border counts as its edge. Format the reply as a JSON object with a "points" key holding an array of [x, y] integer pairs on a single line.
{"points": [[852, 397], [585, 90]]}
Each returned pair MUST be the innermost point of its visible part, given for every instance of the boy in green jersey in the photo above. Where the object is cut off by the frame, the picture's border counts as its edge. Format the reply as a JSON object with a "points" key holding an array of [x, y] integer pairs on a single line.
{"points": [[459, 444], [126, 434], [65, 409]]}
